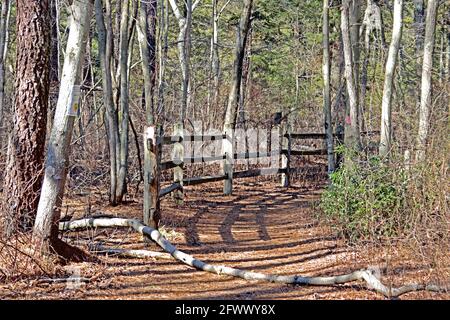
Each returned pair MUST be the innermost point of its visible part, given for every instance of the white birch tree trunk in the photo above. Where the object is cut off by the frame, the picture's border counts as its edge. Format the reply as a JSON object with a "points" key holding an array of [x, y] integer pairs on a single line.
{"points": [[386, 106], [352, 137], [48, 214], [427, 68]]}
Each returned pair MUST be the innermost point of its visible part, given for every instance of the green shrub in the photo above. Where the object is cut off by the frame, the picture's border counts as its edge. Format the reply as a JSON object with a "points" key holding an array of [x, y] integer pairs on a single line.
{"points": [[363, 200]]}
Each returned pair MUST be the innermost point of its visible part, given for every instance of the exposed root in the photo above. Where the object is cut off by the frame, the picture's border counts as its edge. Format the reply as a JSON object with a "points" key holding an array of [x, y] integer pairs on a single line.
{"points": [[373, 283]]}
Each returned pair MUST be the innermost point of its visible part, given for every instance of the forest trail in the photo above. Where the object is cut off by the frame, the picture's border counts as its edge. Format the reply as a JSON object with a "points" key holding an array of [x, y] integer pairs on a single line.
{"points": [[262, 228]]}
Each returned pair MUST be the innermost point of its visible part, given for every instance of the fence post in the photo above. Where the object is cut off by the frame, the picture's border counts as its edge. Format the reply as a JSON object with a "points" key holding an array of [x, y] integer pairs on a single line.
{"points": [[178, 159], [285, 141], [152, 147], [228, 162]]}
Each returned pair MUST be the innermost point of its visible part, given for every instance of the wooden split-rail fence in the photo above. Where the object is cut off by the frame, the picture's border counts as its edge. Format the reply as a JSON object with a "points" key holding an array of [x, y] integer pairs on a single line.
{"points": [[153, 166]]}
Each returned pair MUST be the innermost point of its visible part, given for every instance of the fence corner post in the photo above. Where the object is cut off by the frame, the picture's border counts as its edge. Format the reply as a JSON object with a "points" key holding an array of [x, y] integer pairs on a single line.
{"points": [[152, 153], [227, 149]]}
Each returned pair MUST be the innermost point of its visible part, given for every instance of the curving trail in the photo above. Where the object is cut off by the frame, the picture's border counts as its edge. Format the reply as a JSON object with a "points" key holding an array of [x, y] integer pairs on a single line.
{"points": [[261, 230]]}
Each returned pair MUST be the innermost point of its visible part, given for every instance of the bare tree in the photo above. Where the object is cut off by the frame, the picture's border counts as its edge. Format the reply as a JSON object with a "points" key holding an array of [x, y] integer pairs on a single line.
{"points": [[386, 121], [124, 107], [26, 146], [427, 67], [326, 69], [352, 137], [184, 49], [105, 54], [242, 35]]}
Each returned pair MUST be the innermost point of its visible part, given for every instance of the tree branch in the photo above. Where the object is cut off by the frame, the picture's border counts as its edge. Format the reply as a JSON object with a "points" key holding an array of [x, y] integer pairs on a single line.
{"points": [[373, 283]]}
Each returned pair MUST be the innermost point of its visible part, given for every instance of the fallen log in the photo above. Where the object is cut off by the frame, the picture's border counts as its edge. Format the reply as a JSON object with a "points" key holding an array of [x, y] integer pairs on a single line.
{"points": [[129, 253], [367, 275]]}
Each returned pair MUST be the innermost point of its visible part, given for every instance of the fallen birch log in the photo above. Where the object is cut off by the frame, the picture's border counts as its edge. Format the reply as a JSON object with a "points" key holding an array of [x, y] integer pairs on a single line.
{"points": [[367, 275], [129, 253]]}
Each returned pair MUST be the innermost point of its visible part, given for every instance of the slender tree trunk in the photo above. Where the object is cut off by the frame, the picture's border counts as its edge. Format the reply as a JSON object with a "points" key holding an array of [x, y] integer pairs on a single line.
{"points": [[242, 34], [147, 45], [215, 59], [108, 100], [386, 121], [124, 112], [245, 79], [352, 136], [26, 151], [326, 69], [45, 233], [163, 32], [419, 27], [355, 24], [427, 68], [54, 64], [5, 6]]}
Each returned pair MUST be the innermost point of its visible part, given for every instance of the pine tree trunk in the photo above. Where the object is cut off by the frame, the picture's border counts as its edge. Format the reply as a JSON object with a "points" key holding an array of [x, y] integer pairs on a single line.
{"points": [[25, 160]]}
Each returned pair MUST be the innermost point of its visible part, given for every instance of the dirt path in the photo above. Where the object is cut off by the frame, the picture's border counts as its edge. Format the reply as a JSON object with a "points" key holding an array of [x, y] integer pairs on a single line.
{"points": [[262, 228]]}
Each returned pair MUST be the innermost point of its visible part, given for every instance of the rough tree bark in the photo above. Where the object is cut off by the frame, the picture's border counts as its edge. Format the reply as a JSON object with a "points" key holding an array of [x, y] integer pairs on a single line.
{"points": [[234, 95], [45, 233], [427, 68], [26, 150], [147, 44], [386, 121], [326, 69], [105, 54]]}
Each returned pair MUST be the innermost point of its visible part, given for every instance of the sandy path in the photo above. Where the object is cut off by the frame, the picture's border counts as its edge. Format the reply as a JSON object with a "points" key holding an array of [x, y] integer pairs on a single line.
{"points": [[262, 228]]}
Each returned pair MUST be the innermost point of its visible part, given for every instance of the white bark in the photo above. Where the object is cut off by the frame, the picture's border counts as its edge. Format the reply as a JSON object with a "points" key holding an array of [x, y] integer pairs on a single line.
{"points": [[386, 121], [361, 275], [352, 138], [427, 68], [48, 214]]}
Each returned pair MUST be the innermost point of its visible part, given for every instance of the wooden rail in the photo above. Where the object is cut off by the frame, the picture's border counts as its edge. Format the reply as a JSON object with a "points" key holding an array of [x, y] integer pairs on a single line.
{"points": [[206, 179], [170, 189], [179, 160], [192, 138]]}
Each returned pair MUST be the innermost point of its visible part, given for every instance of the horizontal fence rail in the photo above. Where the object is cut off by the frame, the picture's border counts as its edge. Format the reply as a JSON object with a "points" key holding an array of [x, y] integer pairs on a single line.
{"points": [[280, 154]]}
